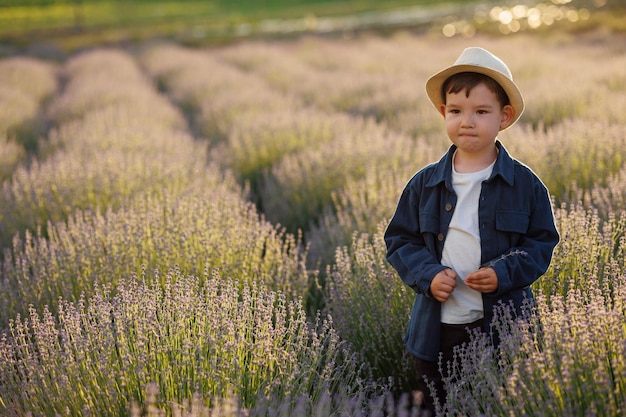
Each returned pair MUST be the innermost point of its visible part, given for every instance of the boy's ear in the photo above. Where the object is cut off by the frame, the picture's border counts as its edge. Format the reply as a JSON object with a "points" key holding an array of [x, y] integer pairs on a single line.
{"points": [[442, 110], [507, 116]]}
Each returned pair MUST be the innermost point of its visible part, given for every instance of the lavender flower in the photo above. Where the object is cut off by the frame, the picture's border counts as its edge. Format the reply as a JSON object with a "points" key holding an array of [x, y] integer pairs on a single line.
{"points": [[507, 255]]}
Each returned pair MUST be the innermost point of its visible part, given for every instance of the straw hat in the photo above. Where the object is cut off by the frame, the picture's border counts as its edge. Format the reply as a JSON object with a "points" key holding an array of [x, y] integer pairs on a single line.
{"points": [[478, 60]]}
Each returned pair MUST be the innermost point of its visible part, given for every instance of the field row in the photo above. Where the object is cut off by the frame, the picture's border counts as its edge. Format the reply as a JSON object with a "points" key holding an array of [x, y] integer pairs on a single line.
{"points": [[143, 188]]}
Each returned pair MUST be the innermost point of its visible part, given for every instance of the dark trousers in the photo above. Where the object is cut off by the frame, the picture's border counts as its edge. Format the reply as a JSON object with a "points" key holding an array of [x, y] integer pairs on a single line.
{"points": [[451, 335]]}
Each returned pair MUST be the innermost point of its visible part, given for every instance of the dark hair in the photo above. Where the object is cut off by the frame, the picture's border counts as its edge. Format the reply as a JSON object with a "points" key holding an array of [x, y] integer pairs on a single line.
{"points": [[468, 80]]}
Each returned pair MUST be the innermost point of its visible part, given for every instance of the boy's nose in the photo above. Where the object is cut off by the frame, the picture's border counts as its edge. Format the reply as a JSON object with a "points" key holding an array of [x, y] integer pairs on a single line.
{"points": [[467, 121]]}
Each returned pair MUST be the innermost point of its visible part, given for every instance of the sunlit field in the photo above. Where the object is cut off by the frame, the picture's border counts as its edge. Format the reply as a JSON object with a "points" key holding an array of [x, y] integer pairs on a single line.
{"points": [[198, 232]]}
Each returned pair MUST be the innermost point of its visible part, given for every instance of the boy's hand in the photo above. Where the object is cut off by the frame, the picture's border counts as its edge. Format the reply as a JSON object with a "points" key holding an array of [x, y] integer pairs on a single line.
{"points": [[484, 280], [443, 284]]}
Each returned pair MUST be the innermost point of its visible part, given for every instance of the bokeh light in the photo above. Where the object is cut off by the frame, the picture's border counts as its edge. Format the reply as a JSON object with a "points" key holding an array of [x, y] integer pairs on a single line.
{"points": [[519, 17]]}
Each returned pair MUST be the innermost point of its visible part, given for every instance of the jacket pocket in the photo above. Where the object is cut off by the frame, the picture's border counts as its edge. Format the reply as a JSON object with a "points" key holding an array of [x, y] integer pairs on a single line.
{"points": [[512, 221], [429, 223]]}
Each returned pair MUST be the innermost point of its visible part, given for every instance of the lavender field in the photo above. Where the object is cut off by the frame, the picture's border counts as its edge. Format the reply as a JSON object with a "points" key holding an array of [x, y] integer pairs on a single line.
{"points": [[198, 232]]}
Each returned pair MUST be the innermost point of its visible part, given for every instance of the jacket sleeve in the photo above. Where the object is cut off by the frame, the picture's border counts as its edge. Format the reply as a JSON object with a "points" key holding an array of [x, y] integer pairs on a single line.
{"points": [[407, 250], [523, 264]]}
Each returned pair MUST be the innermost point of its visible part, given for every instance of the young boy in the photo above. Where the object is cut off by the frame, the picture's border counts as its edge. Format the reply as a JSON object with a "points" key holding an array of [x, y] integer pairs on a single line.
{"points": [[475, 229]]}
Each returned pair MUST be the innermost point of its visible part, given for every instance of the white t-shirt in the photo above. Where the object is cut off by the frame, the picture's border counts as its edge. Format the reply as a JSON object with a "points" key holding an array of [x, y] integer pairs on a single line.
{"points": [[461, 250]]}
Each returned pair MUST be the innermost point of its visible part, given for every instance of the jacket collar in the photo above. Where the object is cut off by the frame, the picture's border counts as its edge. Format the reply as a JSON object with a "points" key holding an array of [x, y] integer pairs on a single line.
{"points": [[504, 167]]}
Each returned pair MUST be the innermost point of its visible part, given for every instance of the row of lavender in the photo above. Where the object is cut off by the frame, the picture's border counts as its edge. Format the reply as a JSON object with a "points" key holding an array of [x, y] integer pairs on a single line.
{"points": [[119, 191], [26, 84], [112, 188], [323, 134]]}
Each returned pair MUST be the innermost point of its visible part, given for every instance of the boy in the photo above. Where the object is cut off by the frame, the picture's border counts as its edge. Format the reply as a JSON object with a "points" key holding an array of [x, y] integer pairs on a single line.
{"points": [[475, 229]]}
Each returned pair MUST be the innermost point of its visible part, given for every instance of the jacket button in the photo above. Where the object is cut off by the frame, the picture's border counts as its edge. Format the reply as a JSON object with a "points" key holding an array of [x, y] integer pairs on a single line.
{"points": [[448, 206], [440, 237]]}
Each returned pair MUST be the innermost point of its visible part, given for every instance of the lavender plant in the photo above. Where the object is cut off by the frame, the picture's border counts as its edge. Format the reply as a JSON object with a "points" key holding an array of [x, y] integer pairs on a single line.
{"points": [[282, 71], [589, 247], [210, 336], [130, 127], [219, 113], [119, 148], [209, 225], [260, 140], [370, 305], [362, 203], [571, 164], [34, 77], [297, 189], [571, 99], [52, 190], [25, 85], [98, 79], [190, 75], [568, 359], [612, 197], [213, 93], [11, 154], [18, 108], [344, 403]]}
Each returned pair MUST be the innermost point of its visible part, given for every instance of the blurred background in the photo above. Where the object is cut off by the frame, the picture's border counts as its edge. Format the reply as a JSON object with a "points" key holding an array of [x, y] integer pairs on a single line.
{"points": [[66, 25]]}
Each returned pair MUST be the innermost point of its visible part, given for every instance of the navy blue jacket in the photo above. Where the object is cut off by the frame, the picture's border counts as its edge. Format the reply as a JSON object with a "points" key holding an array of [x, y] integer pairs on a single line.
{"points": [[517, 235]]}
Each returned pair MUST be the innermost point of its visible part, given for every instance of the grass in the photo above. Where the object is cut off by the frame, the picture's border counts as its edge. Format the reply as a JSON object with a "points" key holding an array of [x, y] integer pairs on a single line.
{"points": [[75, 24], [39, 15]]}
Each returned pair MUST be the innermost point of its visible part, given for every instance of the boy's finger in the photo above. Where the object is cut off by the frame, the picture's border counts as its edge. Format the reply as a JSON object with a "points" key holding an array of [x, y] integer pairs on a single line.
{"points": [[450, 273], [478, 275]]}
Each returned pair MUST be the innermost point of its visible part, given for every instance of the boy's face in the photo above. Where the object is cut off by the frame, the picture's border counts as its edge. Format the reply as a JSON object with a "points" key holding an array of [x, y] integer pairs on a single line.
{"points": [[473, 122]]}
